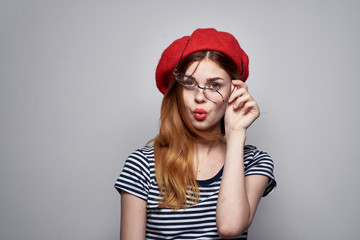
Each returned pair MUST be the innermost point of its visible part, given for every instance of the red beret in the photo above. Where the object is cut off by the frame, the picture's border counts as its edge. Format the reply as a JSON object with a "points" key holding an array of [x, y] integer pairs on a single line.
{"points": [[200, 39]]}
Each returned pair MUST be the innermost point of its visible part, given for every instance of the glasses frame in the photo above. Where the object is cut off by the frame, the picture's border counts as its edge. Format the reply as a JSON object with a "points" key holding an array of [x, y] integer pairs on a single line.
{"points": [[178, 80], [177, 77]]}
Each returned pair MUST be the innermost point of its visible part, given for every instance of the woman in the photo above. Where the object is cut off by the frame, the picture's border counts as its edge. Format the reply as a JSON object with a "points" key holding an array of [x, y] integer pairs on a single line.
{"points": [[199, 180]]}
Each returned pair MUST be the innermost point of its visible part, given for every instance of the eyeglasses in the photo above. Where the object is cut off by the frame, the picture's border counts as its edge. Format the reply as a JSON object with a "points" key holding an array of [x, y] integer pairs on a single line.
{"points": [[214, 91]]}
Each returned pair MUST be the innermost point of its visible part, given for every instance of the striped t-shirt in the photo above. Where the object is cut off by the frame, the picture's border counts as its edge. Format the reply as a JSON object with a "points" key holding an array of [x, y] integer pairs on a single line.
{"points": [[197, 221]]}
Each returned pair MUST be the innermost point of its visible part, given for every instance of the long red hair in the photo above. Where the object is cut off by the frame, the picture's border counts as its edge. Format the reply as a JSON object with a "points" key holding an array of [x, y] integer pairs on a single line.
{"points": [[174, 146]]}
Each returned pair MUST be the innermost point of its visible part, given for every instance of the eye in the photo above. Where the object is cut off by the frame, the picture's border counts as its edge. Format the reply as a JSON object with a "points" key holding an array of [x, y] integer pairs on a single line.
{"points": [[186, 81], [215, 86]]}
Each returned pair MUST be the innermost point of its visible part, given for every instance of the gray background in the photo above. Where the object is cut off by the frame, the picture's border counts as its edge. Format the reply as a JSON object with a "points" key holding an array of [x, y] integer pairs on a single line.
{"points": [[77, 95]]}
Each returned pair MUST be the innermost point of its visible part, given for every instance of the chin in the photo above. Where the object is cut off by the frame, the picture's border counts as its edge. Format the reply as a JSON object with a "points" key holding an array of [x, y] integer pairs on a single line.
{"points": [[202, 126]]}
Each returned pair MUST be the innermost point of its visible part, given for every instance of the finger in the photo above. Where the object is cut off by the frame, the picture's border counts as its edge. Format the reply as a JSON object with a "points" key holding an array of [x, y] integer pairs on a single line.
{"points": [[240, 83], [237, 92], [242, 100], [251, 105]]}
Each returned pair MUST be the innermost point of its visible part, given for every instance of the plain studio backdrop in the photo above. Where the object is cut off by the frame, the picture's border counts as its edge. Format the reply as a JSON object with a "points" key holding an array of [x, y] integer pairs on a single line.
{"points": [[78, 95]]}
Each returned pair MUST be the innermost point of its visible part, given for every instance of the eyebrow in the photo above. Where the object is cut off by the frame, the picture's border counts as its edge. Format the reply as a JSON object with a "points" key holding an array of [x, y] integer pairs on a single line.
{"points": [[214, 79], [207, 80]]}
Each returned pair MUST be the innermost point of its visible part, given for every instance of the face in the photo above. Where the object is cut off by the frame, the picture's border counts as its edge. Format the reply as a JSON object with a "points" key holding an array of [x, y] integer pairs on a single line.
{"points": [[203, 113]]}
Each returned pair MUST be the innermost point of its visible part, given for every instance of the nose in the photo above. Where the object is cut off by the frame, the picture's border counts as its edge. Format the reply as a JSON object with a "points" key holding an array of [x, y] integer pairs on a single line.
{"points": [[200, 95]]}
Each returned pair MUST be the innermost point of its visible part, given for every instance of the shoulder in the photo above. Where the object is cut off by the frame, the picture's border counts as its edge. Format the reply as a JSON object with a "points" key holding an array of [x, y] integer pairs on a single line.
{"points": [[143, 157], [140, 162], [252, 152], [251, 149], [257, 162], [146, 151], [136, 174]]}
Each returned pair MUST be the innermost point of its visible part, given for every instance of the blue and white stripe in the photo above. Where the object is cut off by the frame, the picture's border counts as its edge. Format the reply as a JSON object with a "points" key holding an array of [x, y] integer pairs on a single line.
{"points": [[195, 222]]}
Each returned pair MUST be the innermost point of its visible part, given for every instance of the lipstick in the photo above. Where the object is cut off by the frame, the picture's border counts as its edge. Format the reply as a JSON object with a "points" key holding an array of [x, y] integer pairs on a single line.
{"points": [[200, 114]]}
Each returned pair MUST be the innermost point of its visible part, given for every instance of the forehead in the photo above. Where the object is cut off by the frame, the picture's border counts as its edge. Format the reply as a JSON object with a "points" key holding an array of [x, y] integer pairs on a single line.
{"points": [[206, 68]]}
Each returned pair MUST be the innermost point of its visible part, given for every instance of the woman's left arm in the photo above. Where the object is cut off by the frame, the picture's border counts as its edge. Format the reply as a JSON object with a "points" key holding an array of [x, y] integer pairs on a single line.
{"points": [[239, 196]]}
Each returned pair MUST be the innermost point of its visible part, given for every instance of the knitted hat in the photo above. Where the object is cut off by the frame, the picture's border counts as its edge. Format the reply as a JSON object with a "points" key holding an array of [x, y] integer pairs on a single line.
{"points": [[200, 39]]}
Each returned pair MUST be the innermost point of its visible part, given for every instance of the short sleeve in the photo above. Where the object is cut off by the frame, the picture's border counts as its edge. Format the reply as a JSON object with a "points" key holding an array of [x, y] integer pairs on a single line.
{"points": [[135, 176], [259, 163]]}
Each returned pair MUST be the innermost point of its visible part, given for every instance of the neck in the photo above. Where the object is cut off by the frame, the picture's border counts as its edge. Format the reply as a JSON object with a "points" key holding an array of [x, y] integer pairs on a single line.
{"points": [[208, 158], [203, 149]]}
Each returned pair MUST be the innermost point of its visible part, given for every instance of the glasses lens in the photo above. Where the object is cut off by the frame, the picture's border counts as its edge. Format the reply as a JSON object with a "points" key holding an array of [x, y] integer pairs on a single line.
{"points": [[218, 91], [213, 95], [185, 80], [214, 92]]}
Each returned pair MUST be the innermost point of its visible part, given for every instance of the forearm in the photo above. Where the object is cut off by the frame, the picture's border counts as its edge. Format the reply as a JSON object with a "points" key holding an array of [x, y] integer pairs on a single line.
{"points": [[233, 208], [133, 217]]}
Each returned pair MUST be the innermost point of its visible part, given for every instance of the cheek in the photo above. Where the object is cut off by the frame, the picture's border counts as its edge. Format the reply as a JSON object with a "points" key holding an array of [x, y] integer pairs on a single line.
{"points": [[221, 110], [186, 95]]}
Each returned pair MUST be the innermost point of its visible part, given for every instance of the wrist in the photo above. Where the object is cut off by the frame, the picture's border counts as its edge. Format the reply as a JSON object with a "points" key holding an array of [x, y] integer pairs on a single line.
{"points": [[238, 136]]}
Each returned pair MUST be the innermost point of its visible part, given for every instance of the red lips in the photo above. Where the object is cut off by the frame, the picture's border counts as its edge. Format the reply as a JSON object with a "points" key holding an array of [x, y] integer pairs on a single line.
{"points": [[200, 114]]}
